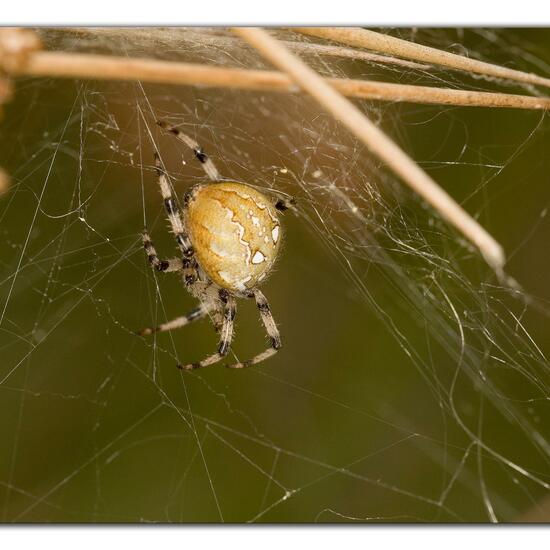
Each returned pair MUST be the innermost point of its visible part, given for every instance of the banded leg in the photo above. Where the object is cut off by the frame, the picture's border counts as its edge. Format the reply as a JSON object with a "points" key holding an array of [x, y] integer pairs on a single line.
{"points": [[178, 322], [165, 266], [284, 203], [270, 328], [208, 166], [226, 335], [172, 211]]}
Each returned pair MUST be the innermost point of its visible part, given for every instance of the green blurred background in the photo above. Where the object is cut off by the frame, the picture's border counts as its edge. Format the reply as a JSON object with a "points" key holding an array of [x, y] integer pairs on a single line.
{"points": [[372, 411]]}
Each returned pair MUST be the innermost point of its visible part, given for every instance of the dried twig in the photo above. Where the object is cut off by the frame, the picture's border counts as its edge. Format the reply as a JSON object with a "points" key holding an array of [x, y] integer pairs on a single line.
{"points": [[352, 53], [375, 140], [213, 39], [538, 513], [6, 92], [70, 65], [15, 47], [376, 41], [4, 181], [209, 38]]}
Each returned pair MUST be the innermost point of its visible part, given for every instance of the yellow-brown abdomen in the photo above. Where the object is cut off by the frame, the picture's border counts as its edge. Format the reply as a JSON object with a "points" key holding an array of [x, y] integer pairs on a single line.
{"points": [[235, 232]]}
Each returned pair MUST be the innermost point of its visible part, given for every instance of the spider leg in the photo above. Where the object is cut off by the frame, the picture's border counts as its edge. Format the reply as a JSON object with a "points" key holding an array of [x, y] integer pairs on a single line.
{"points": [[270, 328], [208, 166], [226, 334], [189, 264], [284, 203], [165, 266], [178, 322], [172, 211]]}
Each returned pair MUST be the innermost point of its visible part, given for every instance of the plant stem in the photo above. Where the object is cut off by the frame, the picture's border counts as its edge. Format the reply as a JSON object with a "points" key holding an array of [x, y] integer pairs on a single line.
{"points": [[376, 140], [379, 42], [103, 67]]}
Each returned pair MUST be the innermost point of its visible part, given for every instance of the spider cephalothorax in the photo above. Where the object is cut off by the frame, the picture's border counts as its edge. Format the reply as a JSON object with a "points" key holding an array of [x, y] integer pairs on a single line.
{"points": [[229, 235]]}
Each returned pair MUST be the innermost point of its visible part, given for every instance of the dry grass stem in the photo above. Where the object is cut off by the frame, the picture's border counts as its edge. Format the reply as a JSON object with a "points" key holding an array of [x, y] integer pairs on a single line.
{"points": [[6, 91], [538, 513], [352, 53], [376, 140], [16, 45], [212, 39], [70, 65], [4, 181], [376, 41]]}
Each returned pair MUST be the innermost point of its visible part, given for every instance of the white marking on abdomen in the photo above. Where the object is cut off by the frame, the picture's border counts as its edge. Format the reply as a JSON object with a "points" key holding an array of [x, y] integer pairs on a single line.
{"points": [[258, 257], [230, 215], [275, 234]]}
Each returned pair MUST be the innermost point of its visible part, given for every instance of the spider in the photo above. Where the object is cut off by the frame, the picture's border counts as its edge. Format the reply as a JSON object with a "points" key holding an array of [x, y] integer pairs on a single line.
{"points": [[228, 234]]}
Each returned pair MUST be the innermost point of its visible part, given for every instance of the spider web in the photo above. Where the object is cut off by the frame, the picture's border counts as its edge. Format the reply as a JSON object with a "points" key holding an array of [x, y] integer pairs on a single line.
{"points": [[412, 385]]}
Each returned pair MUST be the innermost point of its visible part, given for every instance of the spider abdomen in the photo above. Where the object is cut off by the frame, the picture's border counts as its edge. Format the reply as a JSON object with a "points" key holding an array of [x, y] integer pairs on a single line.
{"points": [[235, 232]]}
